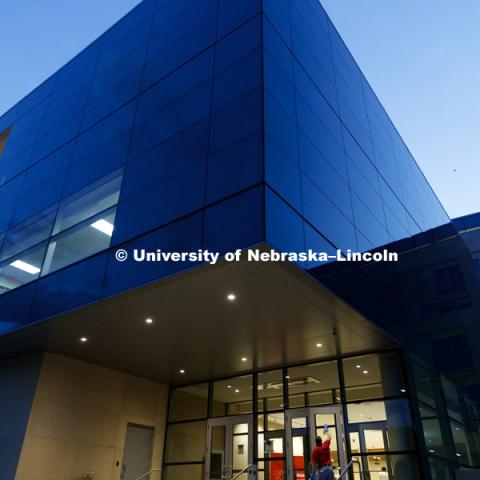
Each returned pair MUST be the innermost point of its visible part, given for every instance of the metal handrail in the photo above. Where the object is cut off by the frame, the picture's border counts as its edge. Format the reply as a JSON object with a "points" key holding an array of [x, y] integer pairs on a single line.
{"points": [[248, 467], [352, 461], [141, 477]]}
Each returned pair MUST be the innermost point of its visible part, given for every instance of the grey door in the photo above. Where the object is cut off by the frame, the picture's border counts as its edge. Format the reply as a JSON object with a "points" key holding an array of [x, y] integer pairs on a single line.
{"points": [[137, 455]]}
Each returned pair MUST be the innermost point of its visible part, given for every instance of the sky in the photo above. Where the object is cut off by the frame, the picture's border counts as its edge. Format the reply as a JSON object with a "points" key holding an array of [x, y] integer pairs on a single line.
{"points": [[422, 58]]}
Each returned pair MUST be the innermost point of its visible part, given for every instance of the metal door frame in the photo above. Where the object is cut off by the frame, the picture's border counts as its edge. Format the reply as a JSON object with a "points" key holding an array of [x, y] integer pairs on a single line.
{"points": [[309, 413], [229, 422]]}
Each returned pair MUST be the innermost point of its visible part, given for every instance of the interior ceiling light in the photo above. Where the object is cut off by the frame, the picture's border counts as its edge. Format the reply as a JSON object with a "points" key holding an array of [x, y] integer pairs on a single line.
{"points": [[231, 297], [84, 339], [26, 267], [103, 226]]}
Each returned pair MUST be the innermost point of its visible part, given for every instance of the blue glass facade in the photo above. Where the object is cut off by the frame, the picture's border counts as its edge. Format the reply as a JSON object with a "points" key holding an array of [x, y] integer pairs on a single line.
{"points": [[183, 119], [209, 124], [152, 135], [331, 152]]}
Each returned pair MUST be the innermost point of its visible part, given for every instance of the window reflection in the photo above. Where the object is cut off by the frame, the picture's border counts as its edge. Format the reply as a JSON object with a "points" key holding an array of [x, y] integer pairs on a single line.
{"points": [[373, 376], [232, 396], [377, 427], [89, 201], [270, 390], [28, 233], [315, 384], [80, 242], [21, 269]]}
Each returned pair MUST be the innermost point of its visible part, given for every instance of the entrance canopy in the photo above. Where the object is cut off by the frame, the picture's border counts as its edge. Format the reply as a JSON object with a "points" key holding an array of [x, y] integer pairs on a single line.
{"points": [[211, 321]]}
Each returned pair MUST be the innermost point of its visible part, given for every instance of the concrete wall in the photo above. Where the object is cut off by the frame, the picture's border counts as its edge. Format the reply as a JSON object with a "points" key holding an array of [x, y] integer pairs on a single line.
{"points": [[18, 380], [79, 418]]}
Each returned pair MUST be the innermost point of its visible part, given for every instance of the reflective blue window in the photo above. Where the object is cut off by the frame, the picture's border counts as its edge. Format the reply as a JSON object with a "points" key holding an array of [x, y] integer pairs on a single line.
{"points": [[282, 174], [189, 19], [235, 223], [97, 164], [237, 79], [182, 51], [104, 131], [181, 236], [172, 119], [48, 167], [322, 213], [169, 158], [281, 127], [174, 86], [28, 233], [21, 269], [238, 43], [89, 201], [235, 13], [284, 227], [277, 12], [235, 168], [79, 242], [170, 199], [236, 121], [38, 198]]}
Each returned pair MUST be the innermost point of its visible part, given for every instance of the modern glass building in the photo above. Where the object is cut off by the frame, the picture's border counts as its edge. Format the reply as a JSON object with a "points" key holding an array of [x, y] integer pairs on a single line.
{"points": [[227, 125]]}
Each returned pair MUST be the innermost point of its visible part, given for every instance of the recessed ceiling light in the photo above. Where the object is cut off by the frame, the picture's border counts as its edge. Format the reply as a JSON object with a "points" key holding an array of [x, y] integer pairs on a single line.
{"points": [[287, 377], [403, 390], [432, 451], [231, 297], [229, 386], [358, 366], [458, 454], [182, 371], [244, 359], [84, 339], [26, 267], [365, 372], [103, 226], [149, 321], [237, 390], [319, 345]]}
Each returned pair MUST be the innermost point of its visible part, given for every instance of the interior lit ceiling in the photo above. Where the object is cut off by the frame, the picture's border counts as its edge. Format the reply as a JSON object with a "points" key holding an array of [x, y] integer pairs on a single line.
{"points": [[280, 315]]}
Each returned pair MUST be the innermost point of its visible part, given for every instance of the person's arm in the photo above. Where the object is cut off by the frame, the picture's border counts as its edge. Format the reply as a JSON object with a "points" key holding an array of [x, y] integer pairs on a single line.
{"points": [[326, 444]]}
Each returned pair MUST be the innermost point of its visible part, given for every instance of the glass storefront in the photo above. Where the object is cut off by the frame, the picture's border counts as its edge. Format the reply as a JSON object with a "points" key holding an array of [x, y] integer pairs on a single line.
{"points": [[271, 418]]}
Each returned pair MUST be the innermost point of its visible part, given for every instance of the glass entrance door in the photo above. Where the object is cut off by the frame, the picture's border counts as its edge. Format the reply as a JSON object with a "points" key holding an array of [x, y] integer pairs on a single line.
{"points": [[303, 425], [229, 448]]}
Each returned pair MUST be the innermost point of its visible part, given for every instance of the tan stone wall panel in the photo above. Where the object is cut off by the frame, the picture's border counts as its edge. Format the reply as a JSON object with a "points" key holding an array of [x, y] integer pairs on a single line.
{"points": [[79, 420]]}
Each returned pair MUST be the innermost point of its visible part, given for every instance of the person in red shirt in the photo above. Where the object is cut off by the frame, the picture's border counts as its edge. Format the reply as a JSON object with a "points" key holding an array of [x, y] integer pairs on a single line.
{"points": [[322, 463]]}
